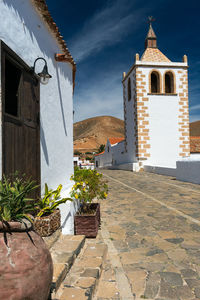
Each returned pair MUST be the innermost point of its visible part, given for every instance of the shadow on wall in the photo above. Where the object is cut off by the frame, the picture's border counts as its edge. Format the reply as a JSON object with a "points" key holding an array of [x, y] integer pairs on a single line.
{"points": [[61, 100], [43, 142], [37, 32]]}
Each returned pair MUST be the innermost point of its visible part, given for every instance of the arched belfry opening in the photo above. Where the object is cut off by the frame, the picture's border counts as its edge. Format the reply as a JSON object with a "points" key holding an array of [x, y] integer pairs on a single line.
{"points": [[169, 83], [155, 82]]}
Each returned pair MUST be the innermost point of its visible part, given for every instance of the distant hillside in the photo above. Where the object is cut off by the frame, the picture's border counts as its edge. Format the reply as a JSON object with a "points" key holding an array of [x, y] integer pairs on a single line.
{"points": [[195, 128], [89, 134]]}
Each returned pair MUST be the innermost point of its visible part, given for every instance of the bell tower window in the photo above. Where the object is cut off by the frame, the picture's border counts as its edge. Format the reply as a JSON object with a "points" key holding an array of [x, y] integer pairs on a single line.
{"points": [[155, 82], [129, 89], [169, 83]]}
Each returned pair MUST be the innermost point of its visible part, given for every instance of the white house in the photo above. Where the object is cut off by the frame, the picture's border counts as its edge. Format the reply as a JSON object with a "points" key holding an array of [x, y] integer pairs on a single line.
{"points": [[108, 157], [37, 119], [155, 92]]}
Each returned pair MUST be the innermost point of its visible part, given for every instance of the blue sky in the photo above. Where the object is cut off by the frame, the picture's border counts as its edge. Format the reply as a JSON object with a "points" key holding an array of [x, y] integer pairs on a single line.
{"points": [[104, 35]]}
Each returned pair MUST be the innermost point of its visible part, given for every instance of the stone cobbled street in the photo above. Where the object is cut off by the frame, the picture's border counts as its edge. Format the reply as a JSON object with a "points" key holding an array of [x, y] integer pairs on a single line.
{"points": [[151, 225]]}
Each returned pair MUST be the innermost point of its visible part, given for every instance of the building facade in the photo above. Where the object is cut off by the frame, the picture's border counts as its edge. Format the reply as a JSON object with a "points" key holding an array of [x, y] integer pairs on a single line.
{"points": [[155, 95], [37, 120]]}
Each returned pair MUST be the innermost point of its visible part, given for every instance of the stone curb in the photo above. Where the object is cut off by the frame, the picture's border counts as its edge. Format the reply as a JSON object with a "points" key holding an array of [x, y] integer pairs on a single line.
{"points": [[64, 253], [82, 280]]}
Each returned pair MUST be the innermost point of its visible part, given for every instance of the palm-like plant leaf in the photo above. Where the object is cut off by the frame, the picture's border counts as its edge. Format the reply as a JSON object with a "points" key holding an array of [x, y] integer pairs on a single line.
{"points": [[14, 203], [50, 201]]}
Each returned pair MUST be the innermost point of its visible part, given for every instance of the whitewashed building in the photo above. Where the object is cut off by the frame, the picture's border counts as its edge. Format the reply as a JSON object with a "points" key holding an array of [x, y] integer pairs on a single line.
{"points": [[37, 119], [108, 157], [155, 93]]}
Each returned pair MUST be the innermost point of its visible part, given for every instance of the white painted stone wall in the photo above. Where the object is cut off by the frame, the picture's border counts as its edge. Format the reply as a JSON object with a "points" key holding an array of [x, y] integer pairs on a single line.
{"points": [[105, 159], [100, 160], [163, 121], [188, 169], [130, 113], [22, 29], [108, 155]]}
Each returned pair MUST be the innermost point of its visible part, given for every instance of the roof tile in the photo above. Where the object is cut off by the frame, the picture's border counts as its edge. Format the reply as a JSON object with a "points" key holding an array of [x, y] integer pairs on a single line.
{"points": [[154, 54], [115, 140], [43, 10]]}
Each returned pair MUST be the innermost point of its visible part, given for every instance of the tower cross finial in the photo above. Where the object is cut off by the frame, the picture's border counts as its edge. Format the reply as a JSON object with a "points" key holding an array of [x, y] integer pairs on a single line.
{"points": [[151, 40], [151, 19]]}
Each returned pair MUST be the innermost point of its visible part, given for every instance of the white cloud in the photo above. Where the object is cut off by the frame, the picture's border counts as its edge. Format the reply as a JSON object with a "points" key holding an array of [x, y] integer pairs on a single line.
{"points": [[107, 27], [103, 97], [195, 107]]}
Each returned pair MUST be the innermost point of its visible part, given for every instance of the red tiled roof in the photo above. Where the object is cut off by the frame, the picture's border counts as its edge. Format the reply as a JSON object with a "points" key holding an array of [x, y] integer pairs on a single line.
{"points": [[195, 144], [114, 140], [99, 153], [42, 9]]}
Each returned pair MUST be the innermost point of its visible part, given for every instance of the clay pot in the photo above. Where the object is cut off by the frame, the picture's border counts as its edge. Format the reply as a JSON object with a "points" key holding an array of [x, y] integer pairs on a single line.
{"points": [[26, 267], [47, 225]]}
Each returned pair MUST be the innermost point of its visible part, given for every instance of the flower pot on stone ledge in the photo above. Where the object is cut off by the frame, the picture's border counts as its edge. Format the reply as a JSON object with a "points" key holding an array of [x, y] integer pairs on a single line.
{"points": [[26, 266], [89, 185], [88, 223], [47, 225], [47, 219]]}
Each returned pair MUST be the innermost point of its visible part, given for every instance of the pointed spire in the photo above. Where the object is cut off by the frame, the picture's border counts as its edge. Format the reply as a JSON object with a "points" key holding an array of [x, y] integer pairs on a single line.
{"points": [[151, 39]]}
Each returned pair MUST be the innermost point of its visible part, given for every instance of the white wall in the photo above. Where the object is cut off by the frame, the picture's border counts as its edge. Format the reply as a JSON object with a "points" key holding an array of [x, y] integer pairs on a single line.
{"points": [[107, 155], [22, 29], [188, 169], [163, 122], [163, 130], [130, 114], [105, 159]]}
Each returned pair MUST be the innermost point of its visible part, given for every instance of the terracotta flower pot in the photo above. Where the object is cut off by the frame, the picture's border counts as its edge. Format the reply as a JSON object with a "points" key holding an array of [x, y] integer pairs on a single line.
{"points": [[88, 225], [46, 225], [26, 267]]}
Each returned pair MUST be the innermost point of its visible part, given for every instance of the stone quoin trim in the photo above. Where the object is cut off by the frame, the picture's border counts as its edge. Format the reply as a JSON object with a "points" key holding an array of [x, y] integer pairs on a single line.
{"points": [[183, 118], [174, 81], [142, 117]]}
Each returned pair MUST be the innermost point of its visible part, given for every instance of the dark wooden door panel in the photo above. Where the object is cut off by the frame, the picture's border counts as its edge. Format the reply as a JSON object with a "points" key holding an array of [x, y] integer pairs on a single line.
{"points": [[21, 131]]}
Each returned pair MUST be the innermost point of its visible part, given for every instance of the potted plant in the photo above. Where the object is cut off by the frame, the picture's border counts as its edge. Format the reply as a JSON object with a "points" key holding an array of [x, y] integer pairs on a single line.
{"points": [[89, 185], [26, 266], [47, 219]]}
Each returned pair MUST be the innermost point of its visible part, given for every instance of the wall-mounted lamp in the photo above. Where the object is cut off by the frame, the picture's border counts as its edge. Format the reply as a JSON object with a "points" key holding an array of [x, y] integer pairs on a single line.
{"points": [[44, 75]]}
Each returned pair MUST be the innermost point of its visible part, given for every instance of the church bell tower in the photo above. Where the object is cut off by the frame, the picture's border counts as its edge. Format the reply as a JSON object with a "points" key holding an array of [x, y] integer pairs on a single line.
{"points": [[155, 92]]}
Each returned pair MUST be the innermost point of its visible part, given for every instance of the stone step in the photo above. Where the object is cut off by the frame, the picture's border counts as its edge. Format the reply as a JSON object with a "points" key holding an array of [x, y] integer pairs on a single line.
{"points": [[64, 253], [81, 282], [52, 239]]}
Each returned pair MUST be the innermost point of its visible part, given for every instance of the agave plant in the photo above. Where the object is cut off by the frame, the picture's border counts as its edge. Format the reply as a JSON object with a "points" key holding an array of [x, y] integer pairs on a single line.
{"points": [[50, 201], [14, 203]]}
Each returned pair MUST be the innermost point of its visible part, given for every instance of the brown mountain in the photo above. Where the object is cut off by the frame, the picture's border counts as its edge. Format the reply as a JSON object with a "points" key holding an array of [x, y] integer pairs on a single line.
{"points": [[195, 128], [89, 134]]}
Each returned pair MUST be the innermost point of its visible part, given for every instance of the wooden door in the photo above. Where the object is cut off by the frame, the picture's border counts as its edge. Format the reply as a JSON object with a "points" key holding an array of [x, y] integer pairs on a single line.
{"points": [[21, 130]]}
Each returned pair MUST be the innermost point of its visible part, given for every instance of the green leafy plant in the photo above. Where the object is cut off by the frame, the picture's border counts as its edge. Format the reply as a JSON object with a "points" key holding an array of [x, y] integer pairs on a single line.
{"points": [[77, 152], [101, 148], [89, 184], [50, 201], [88, 158], [14, 204]]}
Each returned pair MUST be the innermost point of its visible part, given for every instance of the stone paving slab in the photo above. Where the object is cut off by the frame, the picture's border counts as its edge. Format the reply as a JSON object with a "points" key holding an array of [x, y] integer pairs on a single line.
{"points": [[64, 252], [80, 283], [151, 224]]}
